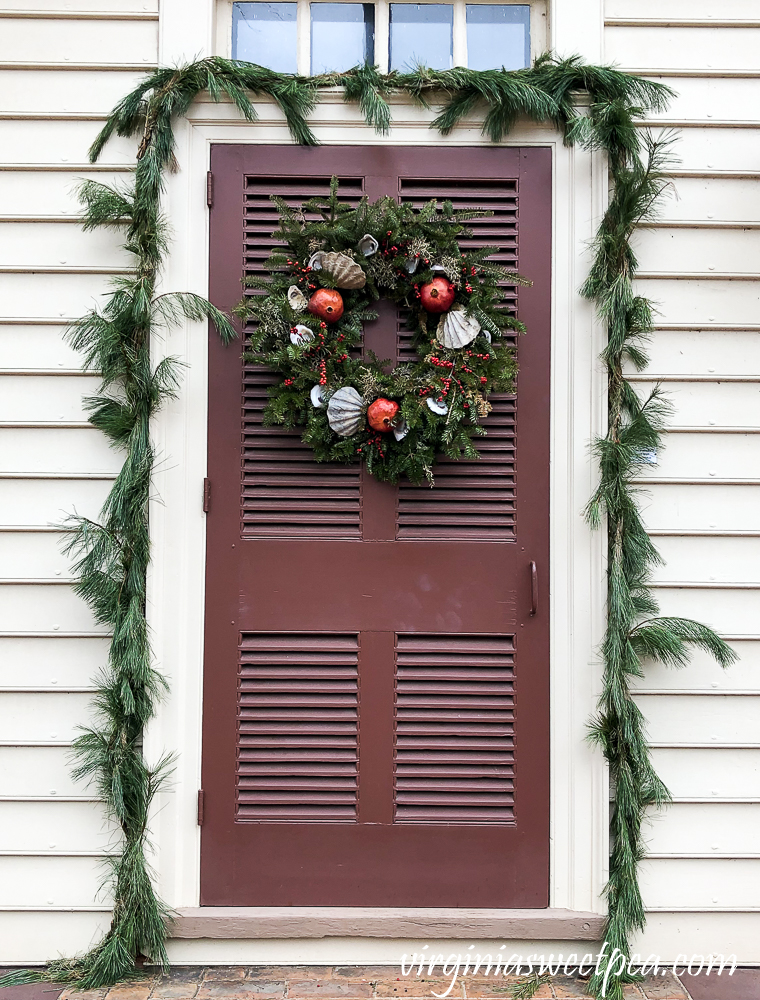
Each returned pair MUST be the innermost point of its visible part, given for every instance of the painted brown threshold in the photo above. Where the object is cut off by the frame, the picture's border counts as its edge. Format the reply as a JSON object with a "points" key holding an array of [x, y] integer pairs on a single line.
{"points": [[252, 923]]}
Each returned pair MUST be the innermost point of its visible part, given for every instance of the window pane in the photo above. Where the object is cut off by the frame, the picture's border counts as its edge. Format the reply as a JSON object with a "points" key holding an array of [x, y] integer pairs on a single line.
{"points": [[498, 36], [265, 33], [421, 35], [342, 36]]}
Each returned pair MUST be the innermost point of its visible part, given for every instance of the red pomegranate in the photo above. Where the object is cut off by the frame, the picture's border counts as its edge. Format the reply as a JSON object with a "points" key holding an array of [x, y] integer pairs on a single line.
{"points": [[327, 303], [381, 414], [437, 295]]}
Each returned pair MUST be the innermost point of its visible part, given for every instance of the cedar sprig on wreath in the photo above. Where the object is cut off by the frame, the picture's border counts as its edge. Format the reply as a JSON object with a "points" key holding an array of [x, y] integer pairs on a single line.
{"points": [[336, 260]]}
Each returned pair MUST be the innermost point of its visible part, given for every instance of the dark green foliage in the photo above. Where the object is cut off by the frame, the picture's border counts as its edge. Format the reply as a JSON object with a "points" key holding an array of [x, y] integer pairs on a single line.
{"points": [[113, 555], [462, 379]]}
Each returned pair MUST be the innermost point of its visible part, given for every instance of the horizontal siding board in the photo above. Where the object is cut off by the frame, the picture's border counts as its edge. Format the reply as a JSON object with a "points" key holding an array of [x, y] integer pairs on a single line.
{"points": [[696, 456], [696, 828], [50, 192], [702, 507], [709, 148], [108, 6], [706, 884], [713, 199], [683, 47], [51, 296], [689, 559], [34, 938], [37, 717], [39, 772], [43, 608], [705, 352], [683, 9], [41, 397], [712, 933], [24, 346], [63, 450], [698, 250], [721, 774], [731, 612], [78, 41], [701, 98], [49, 502], [59, 92], [717, 719], [30, 555], [51, 662], [56, 826], [685, 301], [59, 142], [51, 881], [54, 244], [703, 673]]}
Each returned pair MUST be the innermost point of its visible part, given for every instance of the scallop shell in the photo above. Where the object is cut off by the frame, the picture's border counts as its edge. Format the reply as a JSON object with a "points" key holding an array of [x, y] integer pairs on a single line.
{"points": [[317, 397], [344, 411], [440, 408], [301, 335], [400, 430], [296, 299], [456, 328], [368, 245], [346, 272]]}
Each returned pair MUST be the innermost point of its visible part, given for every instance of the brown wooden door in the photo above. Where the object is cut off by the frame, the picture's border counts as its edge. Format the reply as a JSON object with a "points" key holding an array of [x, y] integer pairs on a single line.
{"points": [[376, 700]]}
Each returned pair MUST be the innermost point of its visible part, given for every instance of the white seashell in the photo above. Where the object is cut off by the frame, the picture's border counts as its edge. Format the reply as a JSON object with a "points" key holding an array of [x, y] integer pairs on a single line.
{"points": [[296, 299], [412, 264], [315, 261], [400, 430], [344, 411], [346, 272], [317, 397], [456, 328], [301, 335], [438, 268], [487, 335], [440, 408], [368, 245]]}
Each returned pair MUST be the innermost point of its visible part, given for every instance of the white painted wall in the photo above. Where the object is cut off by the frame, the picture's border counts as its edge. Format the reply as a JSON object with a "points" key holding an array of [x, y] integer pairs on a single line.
{"points": [[58, 77]]}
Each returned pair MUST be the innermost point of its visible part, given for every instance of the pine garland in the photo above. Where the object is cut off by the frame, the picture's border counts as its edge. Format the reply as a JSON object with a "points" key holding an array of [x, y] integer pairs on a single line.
{"points": [[112, 555]]}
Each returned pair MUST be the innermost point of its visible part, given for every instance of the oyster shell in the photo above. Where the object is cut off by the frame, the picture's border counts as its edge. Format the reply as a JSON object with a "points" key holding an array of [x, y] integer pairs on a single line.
{"points": [[367, 245], [300, 335], [317, 397], [440, 408], [456, 328], [411, 264], [315, 261], [296, 299], [344, 411], [346, 272]]}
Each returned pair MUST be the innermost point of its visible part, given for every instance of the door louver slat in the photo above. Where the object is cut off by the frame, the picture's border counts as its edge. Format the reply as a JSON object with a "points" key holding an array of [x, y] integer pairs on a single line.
{"points": [[298, 706], [471, 499], [284, 493], [454, 746]]}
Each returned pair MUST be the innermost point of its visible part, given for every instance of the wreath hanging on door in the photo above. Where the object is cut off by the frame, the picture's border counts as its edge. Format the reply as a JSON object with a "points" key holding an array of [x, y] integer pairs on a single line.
{"points": [[337, 261]]}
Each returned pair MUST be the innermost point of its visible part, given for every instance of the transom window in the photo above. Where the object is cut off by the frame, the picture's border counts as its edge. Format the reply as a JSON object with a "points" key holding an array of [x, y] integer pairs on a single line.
{"points": [[315, 36]]}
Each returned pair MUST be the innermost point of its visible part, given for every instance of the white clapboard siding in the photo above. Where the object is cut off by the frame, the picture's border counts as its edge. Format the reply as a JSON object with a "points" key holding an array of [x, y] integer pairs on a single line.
{"points": [[723, 773], [710, 558], [704, 674], [722, 883], [705, 352], [53, 832], [701, 300], [683, 47], [724, 508], [716, 455], [679, 9], [51, 244], [714, 828], [709, 202], [701, 719], [46, 449], [701, 98], [57, 662], [732, 251], [44, 773], [729, 610], [50, 194], [55, 828], [51, 881]]}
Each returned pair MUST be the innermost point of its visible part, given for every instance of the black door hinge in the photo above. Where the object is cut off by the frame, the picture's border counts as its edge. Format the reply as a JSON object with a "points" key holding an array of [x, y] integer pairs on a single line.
{"points": [[201, 805], [209, 189], [206, 495]]}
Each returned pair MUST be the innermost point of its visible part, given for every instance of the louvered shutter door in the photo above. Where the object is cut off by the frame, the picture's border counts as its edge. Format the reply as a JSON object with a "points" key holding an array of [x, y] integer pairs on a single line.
{"points": [[375, 688]]}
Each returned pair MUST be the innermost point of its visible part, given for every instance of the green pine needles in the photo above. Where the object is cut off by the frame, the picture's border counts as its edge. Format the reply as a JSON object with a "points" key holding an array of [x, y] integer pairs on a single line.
{"points": [[112, 555]]}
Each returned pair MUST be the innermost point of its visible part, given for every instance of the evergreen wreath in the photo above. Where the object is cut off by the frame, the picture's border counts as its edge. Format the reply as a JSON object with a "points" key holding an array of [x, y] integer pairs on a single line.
{"points": [[338, 260]]}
